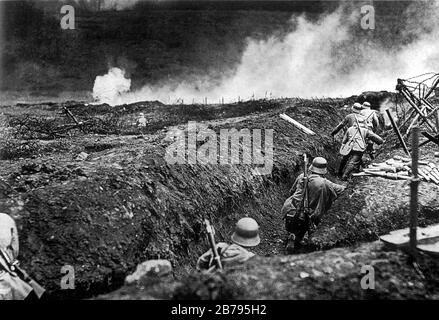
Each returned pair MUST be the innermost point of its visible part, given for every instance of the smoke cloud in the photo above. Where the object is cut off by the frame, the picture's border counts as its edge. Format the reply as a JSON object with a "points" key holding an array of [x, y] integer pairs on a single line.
{"points": [[111, 87], [319, 58], [97, 5]]}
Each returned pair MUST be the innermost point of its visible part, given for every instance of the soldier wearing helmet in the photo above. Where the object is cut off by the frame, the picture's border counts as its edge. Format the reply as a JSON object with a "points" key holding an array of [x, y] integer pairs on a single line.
{"points": [[350, 120], [370, 116], [246, 235], [321, 194], [141, 121], [354, 144]]}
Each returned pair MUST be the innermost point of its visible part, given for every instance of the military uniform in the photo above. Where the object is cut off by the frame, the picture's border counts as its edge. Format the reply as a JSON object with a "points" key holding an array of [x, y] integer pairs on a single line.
{"points": [[246, 235], [371, 119], [348, 121], [353, 146], [12, 287], [321, 195], [229, 253], [141, 122]]}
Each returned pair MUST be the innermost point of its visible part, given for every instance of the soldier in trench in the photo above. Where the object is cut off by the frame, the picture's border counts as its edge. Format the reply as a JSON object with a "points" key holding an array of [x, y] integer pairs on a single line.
{"points": [[372, 123], [321, 195], [348, 122], [354, 144], [246, 235]]}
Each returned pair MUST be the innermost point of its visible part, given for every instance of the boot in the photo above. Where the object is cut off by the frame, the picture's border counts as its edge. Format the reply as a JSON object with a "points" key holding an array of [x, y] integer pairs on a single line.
{"points": [[290, 247]]}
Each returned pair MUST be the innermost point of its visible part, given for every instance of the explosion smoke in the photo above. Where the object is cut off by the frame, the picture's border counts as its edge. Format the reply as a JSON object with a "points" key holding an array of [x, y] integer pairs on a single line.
{"points": [[109, 88], [320, 58]]}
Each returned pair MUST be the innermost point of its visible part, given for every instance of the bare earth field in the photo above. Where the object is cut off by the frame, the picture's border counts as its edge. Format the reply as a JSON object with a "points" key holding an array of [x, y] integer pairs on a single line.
{"points": [[124, 204]]}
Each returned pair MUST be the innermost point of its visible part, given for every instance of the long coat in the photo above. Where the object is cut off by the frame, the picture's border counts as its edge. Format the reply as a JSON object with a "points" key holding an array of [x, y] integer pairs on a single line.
{"points": [[355, 139], [321, 194], [229, 254], [348, 121]]}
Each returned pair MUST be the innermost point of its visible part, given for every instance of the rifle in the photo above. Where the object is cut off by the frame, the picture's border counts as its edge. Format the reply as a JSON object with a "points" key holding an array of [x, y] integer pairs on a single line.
{"points": [[305, 199], [14, 266], [211, 237]]}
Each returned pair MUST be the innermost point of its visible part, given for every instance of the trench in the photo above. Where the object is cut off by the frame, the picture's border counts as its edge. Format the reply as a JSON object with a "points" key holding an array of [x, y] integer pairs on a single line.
{"points": [[115, 219]]}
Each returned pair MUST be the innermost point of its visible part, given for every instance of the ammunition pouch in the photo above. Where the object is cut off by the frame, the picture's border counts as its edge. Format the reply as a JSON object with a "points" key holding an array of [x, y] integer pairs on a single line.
{"points": [[297, 221]]}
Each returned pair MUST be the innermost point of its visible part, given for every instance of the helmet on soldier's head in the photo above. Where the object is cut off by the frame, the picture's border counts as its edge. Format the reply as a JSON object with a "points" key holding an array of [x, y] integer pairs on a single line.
{"points": [[319, 165], [246, 233], [8, 235], [366, 105], [357, 107]]}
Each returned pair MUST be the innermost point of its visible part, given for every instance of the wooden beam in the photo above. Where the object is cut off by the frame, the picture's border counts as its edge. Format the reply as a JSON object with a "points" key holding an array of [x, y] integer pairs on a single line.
{"points": [[414, 106], [414, 184], [398, 133], [297, 124]]}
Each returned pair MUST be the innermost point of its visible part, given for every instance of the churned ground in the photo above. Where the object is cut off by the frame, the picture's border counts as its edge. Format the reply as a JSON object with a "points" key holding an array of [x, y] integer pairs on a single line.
{"points": [[123, 204]]}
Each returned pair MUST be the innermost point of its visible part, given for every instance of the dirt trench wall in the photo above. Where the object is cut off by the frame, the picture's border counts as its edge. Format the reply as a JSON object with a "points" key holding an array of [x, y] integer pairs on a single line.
{"points": [[340, 273], [373, 206], [124, 205]]}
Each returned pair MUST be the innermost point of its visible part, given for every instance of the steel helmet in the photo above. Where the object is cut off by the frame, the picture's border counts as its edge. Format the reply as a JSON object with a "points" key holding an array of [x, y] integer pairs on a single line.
{"points": [[319, 165], [8, 235], [366, 105], [246, 233], [357, 107]]}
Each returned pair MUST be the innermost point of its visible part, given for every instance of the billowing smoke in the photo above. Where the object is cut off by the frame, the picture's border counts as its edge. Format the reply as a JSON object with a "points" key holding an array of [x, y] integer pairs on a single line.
{"points": [[318, 58], [110, 87], [98, 5]]}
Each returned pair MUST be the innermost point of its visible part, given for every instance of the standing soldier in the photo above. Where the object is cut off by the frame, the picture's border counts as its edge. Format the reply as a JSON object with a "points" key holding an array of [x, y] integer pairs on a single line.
{"points": [[354, 145], [321, 194], [246, 235], [372, 123], [371, 117], [348, 122], [141, 122]]}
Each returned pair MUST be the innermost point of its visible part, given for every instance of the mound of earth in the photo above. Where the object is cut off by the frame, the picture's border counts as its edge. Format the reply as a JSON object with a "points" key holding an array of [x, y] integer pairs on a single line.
{"points": [[368, 271], [123, 203]]}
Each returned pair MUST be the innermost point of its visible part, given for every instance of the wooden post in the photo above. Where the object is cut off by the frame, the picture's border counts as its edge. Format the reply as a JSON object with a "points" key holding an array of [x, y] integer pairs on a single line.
{"points": [[414, 106], [414, 193], [395, 128]]}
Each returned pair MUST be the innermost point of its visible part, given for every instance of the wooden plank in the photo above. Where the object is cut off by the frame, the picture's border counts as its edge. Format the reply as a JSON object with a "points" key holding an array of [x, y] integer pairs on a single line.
{"points": [[431, 138], [429, 246], [398, 133], [297, 124], [401, 237]]}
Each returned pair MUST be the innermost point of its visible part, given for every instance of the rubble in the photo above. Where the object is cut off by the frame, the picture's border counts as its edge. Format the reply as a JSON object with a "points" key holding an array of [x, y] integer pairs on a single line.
{"points": [[141, 208], [149, 268], [82, 156]]}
